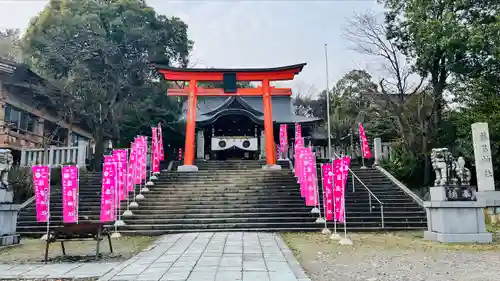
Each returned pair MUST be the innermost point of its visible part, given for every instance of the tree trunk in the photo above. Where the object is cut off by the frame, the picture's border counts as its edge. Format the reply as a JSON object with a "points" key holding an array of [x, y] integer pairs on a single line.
{"points": [[99, 149]]}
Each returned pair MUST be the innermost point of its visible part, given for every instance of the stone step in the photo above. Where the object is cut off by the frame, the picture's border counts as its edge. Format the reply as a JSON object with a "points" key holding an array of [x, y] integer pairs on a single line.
{"points": [[240, 220], [39, 231], [155, 201], [242, 206], [243, 214], [238, 225], [167, 227]]}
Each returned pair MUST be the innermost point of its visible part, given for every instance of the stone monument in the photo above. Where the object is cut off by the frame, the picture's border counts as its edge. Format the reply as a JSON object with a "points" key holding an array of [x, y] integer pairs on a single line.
{"points": [[484, 171], [454, 215], [8, 210]]}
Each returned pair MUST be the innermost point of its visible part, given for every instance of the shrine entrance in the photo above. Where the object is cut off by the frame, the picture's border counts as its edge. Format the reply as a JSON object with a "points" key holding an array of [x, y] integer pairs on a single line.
{"points": [[233, 136], [229, 79]]}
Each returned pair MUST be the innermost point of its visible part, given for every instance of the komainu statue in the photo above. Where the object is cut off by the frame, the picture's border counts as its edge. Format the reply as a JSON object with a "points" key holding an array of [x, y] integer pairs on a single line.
{"points": [[452, 175], [6, 161], [439, 165], [463, 173]]}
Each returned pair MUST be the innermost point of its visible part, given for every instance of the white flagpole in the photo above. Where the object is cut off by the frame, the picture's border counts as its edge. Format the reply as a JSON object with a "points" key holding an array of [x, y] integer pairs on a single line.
{"points": [[335, 235], [116, 234], [77, 194], [320, 219], [134, 203], [144, 150], [47, 198], [127, 212], [362, 148], [152, 176], [325, 230], [345, 240]]}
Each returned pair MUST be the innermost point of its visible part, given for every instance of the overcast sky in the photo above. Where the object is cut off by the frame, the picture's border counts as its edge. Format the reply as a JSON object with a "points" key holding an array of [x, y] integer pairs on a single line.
{"points": [[232, 33]]}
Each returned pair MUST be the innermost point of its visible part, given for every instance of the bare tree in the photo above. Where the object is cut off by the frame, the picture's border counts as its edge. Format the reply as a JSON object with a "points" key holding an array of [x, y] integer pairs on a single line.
{"points": [[401, 94]]}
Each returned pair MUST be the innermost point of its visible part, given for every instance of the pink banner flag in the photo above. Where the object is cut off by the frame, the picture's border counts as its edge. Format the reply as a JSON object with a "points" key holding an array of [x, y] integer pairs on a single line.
{"points": [[145, 157], [69, 175], [314, 175], [131, 168], [155, 151], [365, 148], [41, 183], [344, 167], [283, 137], [137, 162], [308, 178], [180, 154], [109, 181], [337, 187], [140, 162], [299, 170], [297, 148], [108, 159], [299, 141], [160, 143], [327, 172], [120, 158]]}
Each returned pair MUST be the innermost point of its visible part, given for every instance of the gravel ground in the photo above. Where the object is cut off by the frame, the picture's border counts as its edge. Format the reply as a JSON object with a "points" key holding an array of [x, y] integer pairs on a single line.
{"points": [[393, 257], [32, 250]]}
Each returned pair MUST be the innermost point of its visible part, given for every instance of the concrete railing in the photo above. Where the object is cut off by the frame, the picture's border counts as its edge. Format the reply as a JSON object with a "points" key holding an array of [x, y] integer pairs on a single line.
{"points": [[380, 150], [56, 155]]}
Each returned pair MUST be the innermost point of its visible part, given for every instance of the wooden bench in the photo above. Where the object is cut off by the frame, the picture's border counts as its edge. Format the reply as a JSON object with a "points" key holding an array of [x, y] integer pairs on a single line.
{"points": [[83, 231]]}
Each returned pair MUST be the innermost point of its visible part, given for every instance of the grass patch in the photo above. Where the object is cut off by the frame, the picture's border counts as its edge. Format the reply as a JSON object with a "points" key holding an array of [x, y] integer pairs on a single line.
{"points": [[32, 250], [495, 229], [300, 242]]}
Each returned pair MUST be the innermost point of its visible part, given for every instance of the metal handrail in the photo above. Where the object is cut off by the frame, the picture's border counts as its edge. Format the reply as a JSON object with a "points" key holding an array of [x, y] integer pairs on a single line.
{"points": [[362, 183], [370, 194]]}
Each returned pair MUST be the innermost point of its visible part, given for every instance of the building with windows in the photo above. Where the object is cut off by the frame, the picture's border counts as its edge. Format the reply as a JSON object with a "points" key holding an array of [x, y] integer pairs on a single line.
{"points": [[29, 119]]}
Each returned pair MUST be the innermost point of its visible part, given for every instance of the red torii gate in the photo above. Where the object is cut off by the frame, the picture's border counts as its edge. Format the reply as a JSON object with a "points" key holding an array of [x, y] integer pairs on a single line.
{"points": [[229, 77]]}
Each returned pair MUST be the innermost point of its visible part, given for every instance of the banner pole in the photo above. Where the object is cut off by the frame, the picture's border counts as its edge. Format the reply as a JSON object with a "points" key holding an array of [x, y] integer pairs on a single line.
{"points": [[127, 212], [134, 203], [345, 240], [325, 230], [77, 195], [47, 198], [320, 219], [345, 171], [362, 149], [144, 151], [335, 235], [152, 176], [116, 234]]}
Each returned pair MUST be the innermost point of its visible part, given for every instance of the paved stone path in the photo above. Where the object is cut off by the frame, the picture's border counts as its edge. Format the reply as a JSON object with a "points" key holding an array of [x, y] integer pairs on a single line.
{"points": [[185, 257], [212, 256], [65, 270]]}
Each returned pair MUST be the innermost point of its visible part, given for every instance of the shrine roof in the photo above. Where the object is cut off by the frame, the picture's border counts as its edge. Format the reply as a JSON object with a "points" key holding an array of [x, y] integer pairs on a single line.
{"points": [[298, 68], [209, 109]]}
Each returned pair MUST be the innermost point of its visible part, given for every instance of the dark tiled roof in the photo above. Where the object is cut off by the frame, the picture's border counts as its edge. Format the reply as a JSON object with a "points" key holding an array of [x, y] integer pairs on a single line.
{"points": [[210, 108]]}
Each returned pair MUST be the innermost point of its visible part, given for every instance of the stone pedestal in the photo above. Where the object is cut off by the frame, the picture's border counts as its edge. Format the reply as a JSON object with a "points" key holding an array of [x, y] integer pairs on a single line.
{"points": [[271, 167], [456, 222], [8, 222], [187, 168]]}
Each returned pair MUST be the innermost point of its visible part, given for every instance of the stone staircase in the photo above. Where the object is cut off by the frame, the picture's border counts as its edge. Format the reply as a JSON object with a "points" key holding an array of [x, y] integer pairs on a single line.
{"points": [[239, 196]]}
